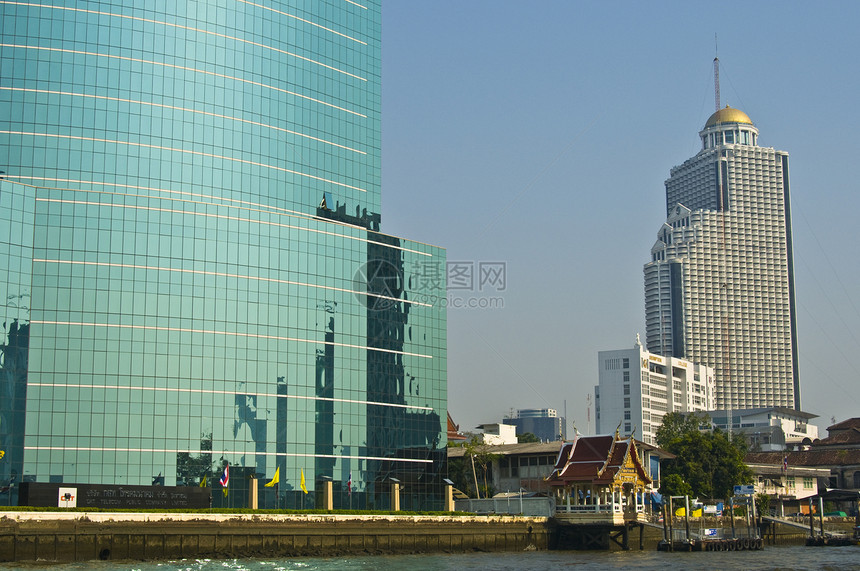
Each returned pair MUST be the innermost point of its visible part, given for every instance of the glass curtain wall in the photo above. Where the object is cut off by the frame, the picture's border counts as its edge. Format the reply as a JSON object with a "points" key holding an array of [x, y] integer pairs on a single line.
{"points": [[193, 271]]}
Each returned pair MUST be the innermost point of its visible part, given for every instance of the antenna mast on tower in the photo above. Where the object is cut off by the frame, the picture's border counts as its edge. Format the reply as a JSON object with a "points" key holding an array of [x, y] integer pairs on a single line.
{"points": [[724, 286], [588, 402], [716, 76]]}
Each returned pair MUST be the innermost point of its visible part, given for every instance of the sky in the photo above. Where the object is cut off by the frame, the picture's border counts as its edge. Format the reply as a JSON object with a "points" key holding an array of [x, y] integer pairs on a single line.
{"points": [[538, 135]]}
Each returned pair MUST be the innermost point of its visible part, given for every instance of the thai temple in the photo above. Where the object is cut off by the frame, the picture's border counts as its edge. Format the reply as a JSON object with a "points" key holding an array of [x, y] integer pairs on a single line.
{"points": [[600, 479]]}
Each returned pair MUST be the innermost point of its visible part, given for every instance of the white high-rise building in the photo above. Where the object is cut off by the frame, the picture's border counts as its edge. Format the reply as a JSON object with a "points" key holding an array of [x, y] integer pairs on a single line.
{"points": [[719, 289], [637, 388]]}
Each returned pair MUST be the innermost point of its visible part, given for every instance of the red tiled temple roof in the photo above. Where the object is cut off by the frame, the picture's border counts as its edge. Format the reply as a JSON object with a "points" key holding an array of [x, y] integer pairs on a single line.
{"points": [[454, 434], [595, 459]]}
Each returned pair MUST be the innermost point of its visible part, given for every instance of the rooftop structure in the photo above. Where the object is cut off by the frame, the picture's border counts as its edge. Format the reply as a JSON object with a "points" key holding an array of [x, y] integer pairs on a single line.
{"points": [[845, 434]]}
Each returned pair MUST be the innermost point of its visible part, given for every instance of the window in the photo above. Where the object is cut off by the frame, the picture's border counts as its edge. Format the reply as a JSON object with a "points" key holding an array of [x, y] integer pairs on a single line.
{"points": [[627, 427], [659, 393], [625, 363], [626, 415], [626, 376], [626, 389], [626, 402], [789, 482], [807, 483]]}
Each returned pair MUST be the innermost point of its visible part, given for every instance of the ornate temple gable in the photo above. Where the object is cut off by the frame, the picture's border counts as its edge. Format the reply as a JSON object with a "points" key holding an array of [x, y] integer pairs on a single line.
{"points": [[608, 463], [625, 465], [564, 456]]}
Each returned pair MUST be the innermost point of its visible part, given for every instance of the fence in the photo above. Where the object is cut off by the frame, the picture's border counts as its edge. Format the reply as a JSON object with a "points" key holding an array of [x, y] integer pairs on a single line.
{"points": [[539, 507]]}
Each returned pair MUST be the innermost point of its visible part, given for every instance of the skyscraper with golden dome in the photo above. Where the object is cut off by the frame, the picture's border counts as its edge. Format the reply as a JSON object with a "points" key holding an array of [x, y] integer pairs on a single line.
{"points": [[719, 289]]}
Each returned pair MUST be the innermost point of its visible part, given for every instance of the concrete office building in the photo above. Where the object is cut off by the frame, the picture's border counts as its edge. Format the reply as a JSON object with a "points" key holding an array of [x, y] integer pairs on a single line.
{"points": [[192, 269], [719, 289], [637, 388]]}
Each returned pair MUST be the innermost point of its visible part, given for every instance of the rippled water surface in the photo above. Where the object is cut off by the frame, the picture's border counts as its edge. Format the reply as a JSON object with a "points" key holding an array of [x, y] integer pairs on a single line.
{"points": [[787, 558]]}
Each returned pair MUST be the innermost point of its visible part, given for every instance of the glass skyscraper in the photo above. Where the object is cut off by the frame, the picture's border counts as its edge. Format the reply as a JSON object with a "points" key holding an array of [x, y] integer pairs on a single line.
{"points": [[192, 270]]}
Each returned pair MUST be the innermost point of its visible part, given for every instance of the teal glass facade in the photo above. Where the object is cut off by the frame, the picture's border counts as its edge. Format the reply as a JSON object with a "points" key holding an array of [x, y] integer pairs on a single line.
{"points": [[193, 272]]}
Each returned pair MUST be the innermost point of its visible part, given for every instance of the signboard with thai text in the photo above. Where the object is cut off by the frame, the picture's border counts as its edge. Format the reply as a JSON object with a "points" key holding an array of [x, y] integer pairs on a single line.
{"points": [[113, 496]]}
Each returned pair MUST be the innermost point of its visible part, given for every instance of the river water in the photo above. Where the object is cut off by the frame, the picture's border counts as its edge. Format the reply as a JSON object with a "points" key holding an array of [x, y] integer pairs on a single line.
{"points": [[771, 558]]}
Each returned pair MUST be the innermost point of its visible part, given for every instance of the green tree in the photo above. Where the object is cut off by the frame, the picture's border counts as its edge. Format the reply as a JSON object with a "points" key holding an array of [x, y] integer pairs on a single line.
{"points": [[674, 485], [708, 460], [676, 425], [527, 437]]}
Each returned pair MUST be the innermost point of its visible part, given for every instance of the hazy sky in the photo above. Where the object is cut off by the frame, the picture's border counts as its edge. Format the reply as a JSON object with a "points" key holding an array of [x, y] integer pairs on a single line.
{"points": [[540, 133]]}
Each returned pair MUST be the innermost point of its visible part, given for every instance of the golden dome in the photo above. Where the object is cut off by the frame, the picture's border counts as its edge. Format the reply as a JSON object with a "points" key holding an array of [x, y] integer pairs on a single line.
{"points": [[728, 115]]}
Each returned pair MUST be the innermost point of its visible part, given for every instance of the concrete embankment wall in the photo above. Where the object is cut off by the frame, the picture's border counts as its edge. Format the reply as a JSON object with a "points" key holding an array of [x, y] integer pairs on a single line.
{"points": [[78, 536]]}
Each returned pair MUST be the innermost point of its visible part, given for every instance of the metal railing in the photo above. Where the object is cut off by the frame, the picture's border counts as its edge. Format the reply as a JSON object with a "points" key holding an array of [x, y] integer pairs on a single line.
{"points": [[513, 505], [596, 508]]}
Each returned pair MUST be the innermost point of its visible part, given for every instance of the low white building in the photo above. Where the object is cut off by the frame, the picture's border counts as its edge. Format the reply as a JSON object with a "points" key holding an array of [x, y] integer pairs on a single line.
{"points": [[769, 429], [637, 388], [498, 433]]}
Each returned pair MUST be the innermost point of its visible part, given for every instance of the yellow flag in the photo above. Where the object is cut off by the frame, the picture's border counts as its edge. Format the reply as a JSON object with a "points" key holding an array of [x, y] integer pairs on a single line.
{"points": [[302, 484], [276, 479], [203, 481]]}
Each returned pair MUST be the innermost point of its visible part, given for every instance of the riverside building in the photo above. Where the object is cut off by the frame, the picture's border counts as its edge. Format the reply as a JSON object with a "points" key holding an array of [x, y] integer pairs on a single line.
{"points": [[192, 270], [719, 289], [638, 388]]}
